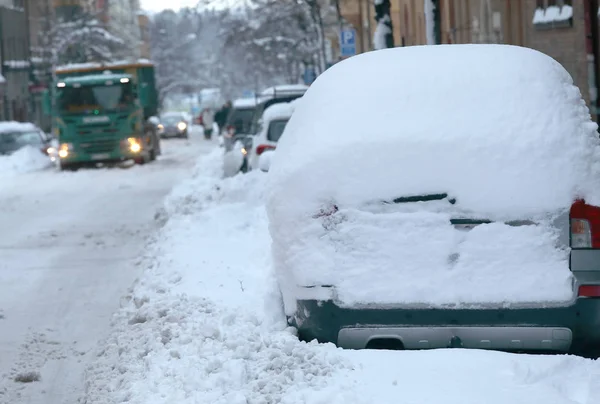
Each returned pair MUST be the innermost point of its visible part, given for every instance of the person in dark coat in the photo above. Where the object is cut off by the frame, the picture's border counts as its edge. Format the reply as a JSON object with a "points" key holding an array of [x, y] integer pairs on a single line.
{"points": [[222, 114]]}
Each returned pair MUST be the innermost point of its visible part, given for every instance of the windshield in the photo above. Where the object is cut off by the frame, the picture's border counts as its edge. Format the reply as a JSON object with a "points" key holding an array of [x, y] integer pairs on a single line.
{"points": [[171, 119], [93, 98], [241, 119], [276, 129], [15, 140]]}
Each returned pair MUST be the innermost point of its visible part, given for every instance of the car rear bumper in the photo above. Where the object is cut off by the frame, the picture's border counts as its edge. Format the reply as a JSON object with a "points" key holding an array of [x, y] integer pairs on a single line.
{"points": [[574, 329]]}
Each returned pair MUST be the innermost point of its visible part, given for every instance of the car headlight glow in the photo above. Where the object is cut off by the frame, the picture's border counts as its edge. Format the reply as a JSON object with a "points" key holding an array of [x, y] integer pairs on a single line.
{"points": [[161, 126], [134, 145], [181, 125]]}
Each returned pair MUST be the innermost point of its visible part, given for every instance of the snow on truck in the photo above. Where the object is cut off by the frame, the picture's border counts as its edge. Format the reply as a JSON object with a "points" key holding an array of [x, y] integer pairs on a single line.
{"points": [[100, 113]]}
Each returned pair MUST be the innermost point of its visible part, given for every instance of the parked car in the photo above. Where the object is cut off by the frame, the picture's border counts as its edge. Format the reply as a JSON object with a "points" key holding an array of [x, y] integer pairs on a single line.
{"points": [[272, 96], [16, 135], [270, 128], [239, 121], [236, 137], [174, 124], [463, 213]]}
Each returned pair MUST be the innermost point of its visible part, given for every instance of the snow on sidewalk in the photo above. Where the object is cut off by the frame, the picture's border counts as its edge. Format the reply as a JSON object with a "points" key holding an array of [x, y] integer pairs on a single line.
{"points": [[205, 325]]}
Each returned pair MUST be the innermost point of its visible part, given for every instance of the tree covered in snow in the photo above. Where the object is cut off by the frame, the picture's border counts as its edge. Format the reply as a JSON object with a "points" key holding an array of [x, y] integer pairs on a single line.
{"points": [[80, 39], [266, 43], [384, 33]]}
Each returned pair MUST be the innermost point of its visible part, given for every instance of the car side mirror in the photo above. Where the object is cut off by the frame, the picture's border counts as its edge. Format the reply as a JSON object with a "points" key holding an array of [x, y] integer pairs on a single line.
{"points": [[264, 161]]}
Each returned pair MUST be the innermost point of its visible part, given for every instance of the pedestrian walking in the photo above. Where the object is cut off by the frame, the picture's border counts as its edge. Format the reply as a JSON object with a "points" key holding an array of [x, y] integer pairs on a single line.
{"points": [[207, 122]]}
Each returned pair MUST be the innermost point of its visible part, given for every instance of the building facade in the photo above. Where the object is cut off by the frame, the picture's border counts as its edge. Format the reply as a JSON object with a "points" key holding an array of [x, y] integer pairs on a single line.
{"points": [[15, 58]]}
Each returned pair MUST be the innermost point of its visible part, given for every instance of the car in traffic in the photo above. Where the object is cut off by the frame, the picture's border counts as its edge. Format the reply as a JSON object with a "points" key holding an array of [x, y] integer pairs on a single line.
{"points": [[464, 213], [271, 127], [17, 135], [174, 124]]}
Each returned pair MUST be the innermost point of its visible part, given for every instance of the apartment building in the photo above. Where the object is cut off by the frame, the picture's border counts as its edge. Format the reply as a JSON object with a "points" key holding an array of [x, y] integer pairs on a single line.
{"points": [[566, 30]]}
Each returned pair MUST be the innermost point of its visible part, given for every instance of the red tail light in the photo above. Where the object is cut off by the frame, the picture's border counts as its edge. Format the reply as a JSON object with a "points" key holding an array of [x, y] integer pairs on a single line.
{"points": [[589, 291], [585, 225], [260, 149]]}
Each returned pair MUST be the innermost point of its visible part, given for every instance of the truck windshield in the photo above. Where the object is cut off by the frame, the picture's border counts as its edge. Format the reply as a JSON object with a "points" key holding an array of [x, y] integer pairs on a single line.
{"points": [[96, 97]]}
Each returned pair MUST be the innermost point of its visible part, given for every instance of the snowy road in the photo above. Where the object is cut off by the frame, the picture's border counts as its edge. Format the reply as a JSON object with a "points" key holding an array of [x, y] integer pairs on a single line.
{"points": [[70, 247]]}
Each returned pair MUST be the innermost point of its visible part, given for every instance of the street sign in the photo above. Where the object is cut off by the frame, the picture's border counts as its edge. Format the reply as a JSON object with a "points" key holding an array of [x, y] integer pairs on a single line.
{"points": [[348, 42]]}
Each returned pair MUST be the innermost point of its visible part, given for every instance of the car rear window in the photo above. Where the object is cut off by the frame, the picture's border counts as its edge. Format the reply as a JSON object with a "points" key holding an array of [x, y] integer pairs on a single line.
{"points": [[276, 129], [241, 119], [172, 119]]}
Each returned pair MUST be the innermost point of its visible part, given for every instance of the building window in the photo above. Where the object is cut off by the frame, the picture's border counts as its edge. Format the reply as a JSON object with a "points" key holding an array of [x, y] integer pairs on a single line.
{"points": [[551, 14]]}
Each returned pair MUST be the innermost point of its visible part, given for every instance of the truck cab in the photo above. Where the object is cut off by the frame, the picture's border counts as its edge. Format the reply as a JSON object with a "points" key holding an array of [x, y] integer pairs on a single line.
{"points": [[101, 116]]}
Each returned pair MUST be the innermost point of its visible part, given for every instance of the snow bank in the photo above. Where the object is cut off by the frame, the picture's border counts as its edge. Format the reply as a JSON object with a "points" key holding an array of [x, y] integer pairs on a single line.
{"points": [[24, 160], [204, 325], [501, 129]]}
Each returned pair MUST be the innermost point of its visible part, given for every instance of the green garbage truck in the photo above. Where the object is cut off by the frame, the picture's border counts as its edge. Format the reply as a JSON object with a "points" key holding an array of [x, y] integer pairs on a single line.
{"points": [[100, 113]]}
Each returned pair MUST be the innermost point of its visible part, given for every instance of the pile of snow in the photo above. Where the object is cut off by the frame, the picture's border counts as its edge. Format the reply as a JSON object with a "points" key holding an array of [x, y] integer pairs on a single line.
{"points": [[204, 325], [24, 160], [501, 129]]}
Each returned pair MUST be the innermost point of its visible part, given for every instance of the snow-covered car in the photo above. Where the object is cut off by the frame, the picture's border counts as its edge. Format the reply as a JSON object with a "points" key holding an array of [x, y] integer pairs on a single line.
{"points": [[271, 127], [174, 124], [17, 135], [462, 213]]}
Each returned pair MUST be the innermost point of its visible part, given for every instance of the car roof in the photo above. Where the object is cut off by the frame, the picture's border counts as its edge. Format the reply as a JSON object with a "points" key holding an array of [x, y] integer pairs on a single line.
{"points": [[12, 126]]}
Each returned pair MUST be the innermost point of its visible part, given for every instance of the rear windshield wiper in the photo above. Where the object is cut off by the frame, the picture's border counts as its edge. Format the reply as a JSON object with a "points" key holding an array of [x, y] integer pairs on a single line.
{"points": [[423, 198]]}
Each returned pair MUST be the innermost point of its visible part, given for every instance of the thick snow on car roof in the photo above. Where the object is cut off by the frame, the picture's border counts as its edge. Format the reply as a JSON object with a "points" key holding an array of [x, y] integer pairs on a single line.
{"points": [[245, 103], [285, 88], [12, 126], [278, 111], [501, 128]]}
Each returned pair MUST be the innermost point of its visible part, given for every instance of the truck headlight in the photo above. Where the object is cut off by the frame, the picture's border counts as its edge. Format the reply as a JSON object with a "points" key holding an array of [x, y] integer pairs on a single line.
{"points": [[181, 126], [134, 145], [63, 150]]}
